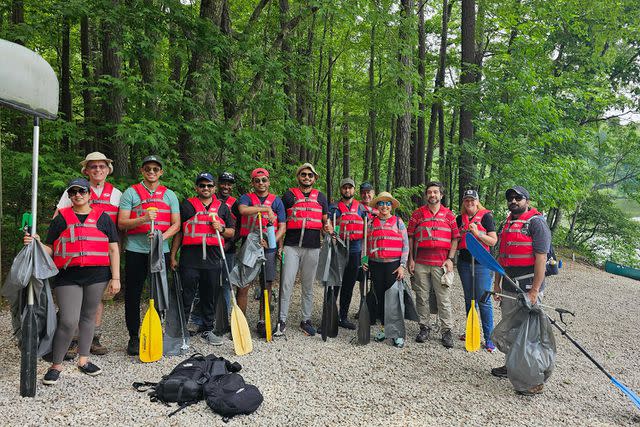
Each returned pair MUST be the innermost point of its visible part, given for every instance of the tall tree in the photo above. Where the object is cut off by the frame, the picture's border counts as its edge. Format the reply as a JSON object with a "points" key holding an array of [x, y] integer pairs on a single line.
{"points": [[346, 149], [65, 80], [330, 63], [402, 173], [87, 82], [422, 52]]}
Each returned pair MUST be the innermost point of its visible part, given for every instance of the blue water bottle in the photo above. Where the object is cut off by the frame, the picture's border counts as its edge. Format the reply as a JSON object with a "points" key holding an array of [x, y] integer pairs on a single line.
{"points": [[271, 235]]}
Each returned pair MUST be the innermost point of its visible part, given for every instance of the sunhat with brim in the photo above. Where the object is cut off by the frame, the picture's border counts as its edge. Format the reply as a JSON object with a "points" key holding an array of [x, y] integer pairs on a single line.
{"points": [[384, 197], [307, 166], [96, 156]]}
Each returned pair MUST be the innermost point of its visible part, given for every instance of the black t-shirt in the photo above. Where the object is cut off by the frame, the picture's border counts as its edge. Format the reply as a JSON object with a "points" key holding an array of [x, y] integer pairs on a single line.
{"points": [[230, 244], [191, 255], [487, 222], [82, 276], [311, 238]]}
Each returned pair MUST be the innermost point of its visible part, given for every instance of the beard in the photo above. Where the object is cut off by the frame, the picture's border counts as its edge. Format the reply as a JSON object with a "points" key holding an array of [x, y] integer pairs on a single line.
{"points": [[433, 200], [517, 210]]}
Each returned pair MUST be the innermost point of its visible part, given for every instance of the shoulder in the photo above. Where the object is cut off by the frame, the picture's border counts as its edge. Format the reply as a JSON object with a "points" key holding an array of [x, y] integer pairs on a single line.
{"points": [[59, 222], [245, 199]]}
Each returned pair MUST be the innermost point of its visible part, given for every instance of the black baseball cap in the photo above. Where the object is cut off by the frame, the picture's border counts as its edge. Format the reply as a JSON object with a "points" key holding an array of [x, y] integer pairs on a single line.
{"points": [[152, 158], [204, 176], [519, 190], [365, 186], [470, 194], [78, 182], [227, 176]]}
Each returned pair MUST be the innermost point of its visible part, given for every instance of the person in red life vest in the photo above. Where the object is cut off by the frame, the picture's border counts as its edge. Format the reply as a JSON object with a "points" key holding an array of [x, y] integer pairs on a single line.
{"points": [[525, 240], [367, 194], [307, 216], [96, 166], [477, 220], [350, 216], [388, 250], [270, 206], [433, 241], [84, 244], [200, 257], [135, 218]]}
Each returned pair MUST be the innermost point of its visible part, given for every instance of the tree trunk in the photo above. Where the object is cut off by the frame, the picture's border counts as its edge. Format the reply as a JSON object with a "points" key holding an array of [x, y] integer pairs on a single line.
{"points": [[65, 82], [346, 151], [390, 158], [467, 77], [402, 175], [227, 74], [87, 97], [422, 51], [293, 149], [442, 154], [449, 160], [329, 105]]}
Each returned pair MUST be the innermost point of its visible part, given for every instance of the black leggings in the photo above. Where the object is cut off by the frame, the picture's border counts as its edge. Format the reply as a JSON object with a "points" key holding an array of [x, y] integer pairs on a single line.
{"points": [[383, 278], [348, 280], [136, 270], [207, 283]]}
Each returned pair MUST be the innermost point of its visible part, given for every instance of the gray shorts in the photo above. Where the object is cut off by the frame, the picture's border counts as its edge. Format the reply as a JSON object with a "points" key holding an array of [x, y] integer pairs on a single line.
{"points": [[270, 266]]}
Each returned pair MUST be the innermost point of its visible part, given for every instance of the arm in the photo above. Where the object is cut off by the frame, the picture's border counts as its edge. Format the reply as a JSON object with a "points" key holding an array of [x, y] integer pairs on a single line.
{"points": [[255, 210], [175, 245], [174, 228], [125, 222], [114, 260], [538, 276], [452, 253]]}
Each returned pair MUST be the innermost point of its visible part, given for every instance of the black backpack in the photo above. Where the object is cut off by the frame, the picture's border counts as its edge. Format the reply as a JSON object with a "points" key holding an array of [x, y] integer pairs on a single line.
{"points": [[228, 395]]}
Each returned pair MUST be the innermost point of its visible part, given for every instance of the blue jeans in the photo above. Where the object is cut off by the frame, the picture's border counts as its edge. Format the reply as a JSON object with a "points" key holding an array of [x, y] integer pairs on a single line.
{"points": [[483, 278]]}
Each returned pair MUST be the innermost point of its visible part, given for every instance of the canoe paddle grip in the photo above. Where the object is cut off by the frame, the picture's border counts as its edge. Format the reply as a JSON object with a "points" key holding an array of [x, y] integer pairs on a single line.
{"points": [[153, 221]]}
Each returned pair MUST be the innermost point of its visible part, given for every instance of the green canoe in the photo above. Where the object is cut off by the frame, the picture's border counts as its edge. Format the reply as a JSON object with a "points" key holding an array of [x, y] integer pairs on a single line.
{"points": [[622, 270]]}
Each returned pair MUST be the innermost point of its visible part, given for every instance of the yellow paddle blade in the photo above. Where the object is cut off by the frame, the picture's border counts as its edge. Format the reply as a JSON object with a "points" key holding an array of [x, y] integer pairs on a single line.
{"points": [[240, 333], [267, 315], [472, 333], [151, 336]]}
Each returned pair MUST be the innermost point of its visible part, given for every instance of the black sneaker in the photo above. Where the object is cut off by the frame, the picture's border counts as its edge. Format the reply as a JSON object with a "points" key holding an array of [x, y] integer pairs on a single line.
{"points": [[261, 330], [345, 323], [90, 369], [133, 348], [308, 328], [447, 339], [423, 335], [500, 372], [51, 377], [281, 328]]}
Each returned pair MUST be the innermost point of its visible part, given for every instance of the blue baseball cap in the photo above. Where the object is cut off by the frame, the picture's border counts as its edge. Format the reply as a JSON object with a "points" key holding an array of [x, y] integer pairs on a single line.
{"points": [[204, 176]]}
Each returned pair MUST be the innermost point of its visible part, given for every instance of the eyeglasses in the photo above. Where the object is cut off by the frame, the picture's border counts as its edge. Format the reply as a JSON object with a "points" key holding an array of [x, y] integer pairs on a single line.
{"points": [[517, 198], [259, 180], [206, 185], [73, 191], [153, 169], [99, 166], [383, 203], [306, 174]]}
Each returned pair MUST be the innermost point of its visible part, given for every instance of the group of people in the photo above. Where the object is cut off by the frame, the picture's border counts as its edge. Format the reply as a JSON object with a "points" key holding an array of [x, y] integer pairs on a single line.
{"points": [[93, 218]]}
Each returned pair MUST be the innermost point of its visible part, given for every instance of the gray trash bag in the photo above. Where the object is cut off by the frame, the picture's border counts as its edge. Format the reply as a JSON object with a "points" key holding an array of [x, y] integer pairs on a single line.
{"points": [[176, 337], [158, 273], [526, 336], [248, 261], [394, 311], [410, 312], [332, 262], [32, 264]]}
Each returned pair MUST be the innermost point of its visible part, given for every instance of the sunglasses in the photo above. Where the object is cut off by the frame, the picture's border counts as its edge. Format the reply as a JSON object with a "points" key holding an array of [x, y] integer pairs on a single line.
{"points": [[94, 167], [73, 191], [517, 198], [153, 169], [259, 180], [306, 174], [383, 203], [206, 186]]}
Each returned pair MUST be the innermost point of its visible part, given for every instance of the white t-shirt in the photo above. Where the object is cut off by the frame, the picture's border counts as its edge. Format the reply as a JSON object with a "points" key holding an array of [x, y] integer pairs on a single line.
{"points": [[65, 202]]}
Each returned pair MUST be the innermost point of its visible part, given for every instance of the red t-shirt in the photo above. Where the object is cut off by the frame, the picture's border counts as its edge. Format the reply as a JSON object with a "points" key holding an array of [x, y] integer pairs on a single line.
{"points": [[434, 256]]}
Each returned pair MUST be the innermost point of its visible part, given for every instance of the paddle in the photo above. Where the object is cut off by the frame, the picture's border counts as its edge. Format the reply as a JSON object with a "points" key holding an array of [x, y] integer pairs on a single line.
{"points": [[151, 328], [472, 333], [326, 310], [364, 325], [265, 291], [488, 261], [278, 331], [333, 303], [240, 332], [29, 332]]}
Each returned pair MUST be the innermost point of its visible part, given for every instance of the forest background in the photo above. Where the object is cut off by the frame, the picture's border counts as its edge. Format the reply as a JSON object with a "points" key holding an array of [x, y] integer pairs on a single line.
{"points": [[478, 94]]}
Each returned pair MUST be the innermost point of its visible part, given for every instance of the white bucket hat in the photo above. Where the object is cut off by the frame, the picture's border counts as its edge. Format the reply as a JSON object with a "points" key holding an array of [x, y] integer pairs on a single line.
{"points": [[96, 156]]}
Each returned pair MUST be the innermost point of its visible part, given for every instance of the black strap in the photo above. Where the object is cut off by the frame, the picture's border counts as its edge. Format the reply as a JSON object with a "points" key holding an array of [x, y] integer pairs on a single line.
{"points": [[181, 407], [146, 384]]}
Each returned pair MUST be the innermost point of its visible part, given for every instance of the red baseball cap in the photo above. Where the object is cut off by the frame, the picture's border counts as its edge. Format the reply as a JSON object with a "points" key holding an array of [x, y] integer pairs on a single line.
{"points": [[259, 172]]}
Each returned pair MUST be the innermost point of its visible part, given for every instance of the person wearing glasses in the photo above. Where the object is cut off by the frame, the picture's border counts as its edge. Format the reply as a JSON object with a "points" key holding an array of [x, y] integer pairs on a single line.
{"points": [[388, 249], [433, 241], [135, 218], [104, 196], [478, 221], [272, 211], [525, 240], [200, 257], [307, 215], [84, 244], [367, 194]]}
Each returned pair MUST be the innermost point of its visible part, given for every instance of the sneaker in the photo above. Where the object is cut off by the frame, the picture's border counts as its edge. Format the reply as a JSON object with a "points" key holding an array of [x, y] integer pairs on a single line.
{"points": [[97, 348], [212, 338], [196, 320], [532, 391], [133, 348], [447, 339], [308, 328], [90, 369], [462, 337], [379, 336], [398, 342], [423, 335], [261, 330], [51, 377], [72, 352], [490, 347], [345, 323], [500, 372], [281, 328]]}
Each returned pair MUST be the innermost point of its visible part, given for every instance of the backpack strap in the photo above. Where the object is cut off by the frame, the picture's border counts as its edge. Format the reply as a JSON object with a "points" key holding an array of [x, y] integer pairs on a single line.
{"points": [[143, 386]]}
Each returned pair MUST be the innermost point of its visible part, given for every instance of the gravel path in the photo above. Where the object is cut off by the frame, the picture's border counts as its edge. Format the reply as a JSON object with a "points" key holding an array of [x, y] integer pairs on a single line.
{"points": [[306, 381]]}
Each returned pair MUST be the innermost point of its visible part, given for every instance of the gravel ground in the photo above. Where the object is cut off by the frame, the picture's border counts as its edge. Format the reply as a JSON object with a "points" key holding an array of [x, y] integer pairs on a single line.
{"points": [[306, 381]]}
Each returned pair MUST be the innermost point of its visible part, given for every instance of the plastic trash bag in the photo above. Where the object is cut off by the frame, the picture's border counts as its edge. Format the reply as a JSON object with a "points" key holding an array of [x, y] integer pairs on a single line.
{"points": [[398, 306], [158, 273], [332, 262], [176, 335], [526, 337], [249, 260]]}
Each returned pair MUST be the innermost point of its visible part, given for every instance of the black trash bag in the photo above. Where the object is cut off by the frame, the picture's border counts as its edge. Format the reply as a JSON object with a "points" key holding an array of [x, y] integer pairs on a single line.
{"points": [[176, 336], [332, 262], [526, 337], [158, 274]]}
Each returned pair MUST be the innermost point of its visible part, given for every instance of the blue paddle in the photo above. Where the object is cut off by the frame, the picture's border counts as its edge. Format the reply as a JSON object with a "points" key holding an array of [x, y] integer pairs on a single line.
{"points": [[485, 258]]}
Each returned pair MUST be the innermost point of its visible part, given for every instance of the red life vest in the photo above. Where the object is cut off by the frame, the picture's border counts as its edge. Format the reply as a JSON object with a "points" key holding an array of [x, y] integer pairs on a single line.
{"points": [[81, 244], [385, 240], [306, 212], [229, 202], [163, 220], [247, 222], [516, 245], [351, 223], [464, 228], [103, 202], [371, 212], [198, 228], [434, 230]]}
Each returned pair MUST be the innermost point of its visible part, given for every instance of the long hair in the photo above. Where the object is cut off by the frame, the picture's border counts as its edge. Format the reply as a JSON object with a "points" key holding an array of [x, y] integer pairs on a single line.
{"points": [[463, 210]]}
